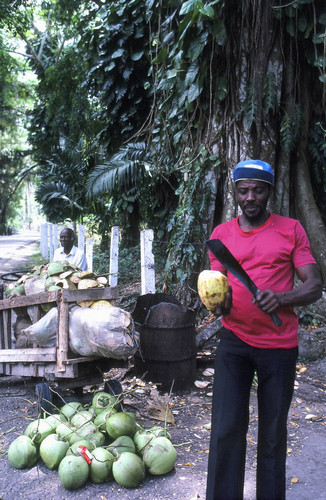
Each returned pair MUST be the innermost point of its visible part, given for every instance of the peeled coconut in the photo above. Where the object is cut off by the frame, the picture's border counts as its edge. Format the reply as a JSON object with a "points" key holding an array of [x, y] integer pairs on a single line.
{"points": [[22, 453], [121, 424], [73, 472], [101, 465], [159, 456], [87, 283], [52, 450], [212, 287], [101, 304], [128, 470]]}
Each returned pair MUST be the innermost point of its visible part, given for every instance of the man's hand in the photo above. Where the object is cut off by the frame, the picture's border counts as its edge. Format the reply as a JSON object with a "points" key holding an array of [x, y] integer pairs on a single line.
{"points": [[225, 307], [268, 301]]}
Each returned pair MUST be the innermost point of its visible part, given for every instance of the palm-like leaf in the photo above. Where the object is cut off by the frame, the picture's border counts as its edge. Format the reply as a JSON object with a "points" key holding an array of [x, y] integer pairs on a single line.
{"points": [[58, 201], [130, 165]]}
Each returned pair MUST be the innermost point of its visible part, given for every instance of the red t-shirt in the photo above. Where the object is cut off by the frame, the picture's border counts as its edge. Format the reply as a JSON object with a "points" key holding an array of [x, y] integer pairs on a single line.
{"points": [[269, 254]]}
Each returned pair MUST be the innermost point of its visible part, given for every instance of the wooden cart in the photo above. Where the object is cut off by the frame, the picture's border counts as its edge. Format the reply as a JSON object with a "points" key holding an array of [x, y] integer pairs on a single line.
{"points": [[52, 363]]}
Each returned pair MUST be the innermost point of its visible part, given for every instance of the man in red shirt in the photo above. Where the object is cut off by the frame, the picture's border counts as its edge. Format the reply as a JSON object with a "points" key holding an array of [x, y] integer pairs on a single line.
{"points": [[270, 248]]}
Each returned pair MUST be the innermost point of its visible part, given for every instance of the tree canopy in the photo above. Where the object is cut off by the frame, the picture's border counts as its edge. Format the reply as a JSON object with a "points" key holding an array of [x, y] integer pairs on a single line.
{"points": [[143, 108]]}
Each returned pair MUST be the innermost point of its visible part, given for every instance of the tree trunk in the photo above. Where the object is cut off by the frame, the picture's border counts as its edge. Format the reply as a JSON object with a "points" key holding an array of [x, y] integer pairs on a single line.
{"points": [[306, 208]]}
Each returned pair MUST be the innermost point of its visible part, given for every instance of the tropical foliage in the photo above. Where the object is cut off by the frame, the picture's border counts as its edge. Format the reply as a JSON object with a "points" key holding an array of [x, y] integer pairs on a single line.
{"points": [[144, 107]]}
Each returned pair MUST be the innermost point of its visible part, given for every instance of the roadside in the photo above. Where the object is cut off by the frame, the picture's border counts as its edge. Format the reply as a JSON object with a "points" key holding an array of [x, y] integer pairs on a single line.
{"points": [[189, 412]]}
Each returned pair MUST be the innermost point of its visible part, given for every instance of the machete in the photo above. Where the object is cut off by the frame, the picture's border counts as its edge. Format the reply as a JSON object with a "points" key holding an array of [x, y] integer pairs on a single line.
{"points": [[223, 254]]}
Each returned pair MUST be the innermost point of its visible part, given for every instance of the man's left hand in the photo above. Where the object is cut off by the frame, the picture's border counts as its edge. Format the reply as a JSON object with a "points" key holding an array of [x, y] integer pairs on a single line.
{"points": [[267, 301]]}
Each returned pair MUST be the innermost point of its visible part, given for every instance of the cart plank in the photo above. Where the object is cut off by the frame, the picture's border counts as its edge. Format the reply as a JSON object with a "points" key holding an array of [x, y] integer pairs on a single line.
{"points": [[28, 300], [106, 293], [32, 355]]}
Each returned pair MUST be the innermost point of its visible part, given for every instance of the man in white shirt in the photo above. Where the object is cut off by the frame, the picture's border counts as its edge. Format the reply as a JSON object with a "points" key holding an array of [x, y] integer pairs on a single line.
{"points": [[68, 251]]}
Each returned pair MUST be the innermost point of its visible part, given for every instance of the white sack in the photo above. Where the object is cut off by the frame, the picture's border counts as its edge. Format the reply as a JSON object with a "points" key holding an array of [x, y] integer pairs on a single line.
{"points": [[107, 332], [35, 284], [44, 332]]}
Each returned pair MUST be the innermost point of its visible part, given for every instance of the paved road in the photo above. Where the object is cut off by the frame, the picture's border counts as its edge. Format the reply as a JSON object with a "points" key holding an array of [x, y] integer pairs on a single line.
{"points": [[16, 250]]}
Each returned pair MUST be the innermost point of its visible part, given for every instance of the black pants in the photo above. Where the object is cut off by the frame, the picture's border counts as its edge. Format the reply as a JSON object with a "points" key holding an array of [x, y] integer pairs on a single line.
{"points": [[235, 365]]}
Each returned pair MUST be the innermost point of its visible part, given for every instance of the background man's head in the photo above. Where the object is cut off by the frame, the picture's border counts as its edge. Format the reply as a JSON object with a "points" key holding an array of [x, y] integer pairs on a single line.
{"points": [[67, 237]]}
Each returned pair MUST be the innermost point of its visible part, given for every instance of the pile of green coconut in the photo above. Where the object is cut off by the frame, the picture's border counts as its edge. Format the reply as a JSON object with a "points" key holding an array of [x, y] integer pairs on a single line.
{"points": [[56, 276], [98, 442]]}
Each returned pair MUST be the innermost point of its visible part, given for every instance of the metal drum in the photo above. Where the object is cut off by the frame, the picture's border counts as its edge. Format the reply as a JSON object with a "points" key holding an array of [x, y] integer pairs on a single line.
{"points": [[167, 352]]}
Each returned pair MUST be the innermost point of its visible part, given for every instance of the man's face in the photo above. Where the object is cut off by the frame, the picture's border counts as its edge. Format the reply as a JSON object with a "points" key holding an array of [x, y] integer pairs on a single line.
{"points": [[252, 196], [66, 239]]}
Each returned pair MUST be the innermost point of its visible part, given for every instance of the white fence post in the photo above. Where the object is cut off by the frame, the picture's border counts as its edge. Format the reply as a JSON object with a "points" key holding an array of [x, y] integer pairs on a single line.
{"points": [[44, 241], [81, 237], [55, 237], [147, 261], [51, 242], [89, 254], [114, 256]]}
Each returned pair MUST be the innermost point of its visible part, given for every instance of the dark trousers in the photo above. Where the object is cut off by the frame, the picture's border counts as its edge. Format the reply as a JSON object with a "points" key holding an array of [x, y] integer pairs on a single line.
{"points": [[235, 365]]}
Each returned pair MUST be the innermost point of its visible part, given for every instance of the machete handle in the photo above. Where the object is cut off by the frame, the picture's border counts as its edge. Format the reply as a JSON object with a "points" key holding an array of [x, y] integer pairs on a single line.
{"points": [[276, 319]]}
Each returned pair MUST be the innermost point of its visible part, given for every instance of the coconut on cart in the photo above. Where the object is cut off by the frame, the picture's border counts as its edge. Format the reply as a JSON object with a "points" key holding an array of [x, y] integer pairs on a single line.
{"points": [[58, 318]]}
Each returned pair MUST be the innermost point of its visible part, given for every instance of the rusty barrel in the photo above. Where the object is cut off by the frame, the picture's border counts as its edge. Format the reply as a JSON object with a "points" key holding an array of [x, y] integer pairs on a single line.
{"points": [[167, 350]]}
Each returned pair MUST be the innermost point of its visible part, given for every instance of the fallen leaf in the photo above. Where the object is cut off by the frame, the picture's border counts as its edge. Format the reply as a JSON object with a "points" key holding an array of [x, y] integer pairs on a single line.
{"points": [[310, 416], [201, 384], [209, 372], [158, 408], [294, 480]]}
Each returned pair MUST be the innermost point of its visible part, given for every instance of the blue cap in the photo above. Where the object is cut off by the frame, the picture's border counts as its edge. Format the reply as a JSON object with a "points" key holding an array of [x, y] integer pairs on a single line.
{"points": [[256, 170]]}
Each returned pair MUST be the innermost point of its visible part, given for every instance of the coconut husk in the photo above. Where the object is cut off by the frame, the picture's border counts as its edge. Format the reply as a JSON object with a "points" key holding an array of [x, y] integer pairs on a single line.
{"points": [[87, 283]]}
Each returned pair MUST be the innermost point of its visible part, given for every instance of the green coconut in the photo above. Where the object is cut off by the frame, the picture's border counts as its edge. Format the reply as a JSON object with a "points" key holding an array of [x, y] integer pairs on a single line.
{"points": [[52, 450], [73, 449], [38, 430], [103, 400], [101, 418], [122, 444], [141, 440], [22, 453], [121, 424], [65, 430], [19, 290], [73, 472], [55, 419], [128, 470], [86, 430], [97, 438], [159, 456], [55, 268], [101, 465], [69, 409], [159, 431], [81, 418]]}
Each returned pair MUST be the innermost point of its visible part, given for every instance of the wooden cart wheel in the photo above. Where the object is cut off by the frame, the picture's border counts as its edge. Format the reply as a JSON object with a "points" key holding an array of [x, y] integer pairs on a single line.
{"points": [[44, 398]]}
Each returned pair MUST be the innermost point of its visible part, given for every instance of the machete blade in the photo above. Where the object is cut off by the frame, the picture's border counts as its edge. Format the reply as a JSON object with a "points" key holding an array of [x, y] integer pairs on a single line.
{"points": [[223, 254]]}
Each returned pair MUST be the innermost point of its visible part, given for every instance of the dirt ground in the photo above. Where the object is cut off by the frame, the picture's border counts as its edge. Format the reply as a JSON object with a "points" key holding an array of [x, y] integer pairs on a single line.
{"points": [[188, 414]]}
